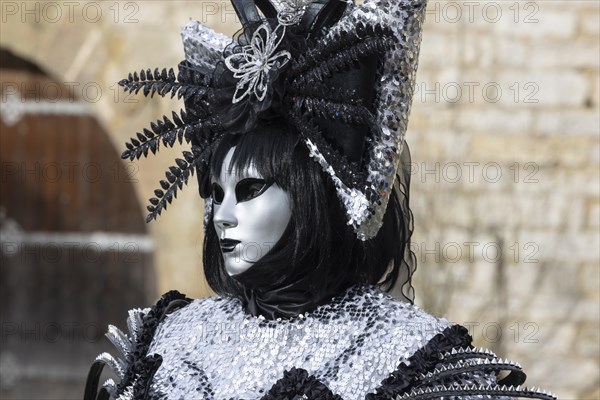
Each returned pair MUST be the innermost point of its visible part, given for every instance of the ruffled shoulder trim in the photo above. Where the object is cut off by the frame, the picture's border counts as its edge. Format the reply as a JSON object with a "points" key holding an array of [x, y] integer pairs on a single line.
{"points": [[450, 366], [133, 366]]}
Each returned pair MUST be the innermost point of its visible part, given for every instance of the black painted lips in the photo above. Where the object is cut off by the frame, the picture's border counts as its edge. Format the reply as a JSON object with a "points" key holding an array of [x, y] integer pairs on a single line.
{"points": [[227, 245]]}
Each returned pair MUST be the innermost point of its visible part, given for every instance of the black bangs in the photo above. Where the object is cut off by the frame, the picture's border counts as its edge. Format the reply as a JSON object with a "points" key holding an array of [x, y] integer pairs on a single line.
{"points": [[269, 149]]}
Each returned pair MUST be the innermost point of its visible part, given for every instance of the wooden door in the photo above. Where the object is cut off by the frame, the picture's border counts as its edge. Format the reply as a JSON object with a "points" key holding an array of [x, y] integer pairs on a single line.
{"points": [[75, 254]]}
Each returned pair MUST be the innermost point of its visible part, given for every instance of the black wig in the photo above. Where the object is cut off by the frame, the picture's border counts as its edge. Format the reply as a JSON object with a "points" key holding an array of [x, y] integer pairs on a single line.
{"points": [[318, 248]]}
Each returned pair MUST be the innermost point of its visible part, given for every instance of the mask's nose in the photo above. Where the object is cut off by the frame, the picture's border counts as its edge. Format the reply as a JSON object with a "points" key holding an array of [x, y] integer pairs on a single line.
{"points": [[224, 217]]}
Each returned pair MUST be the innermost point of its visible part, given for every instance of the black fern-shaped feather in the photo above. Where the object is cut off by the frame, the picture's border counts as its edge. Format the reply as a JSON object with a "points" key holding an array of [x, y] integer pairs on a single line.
{"points": [[150, 82], [334, 94], [343, 60], [344, 49], [348, 113], [164, 83], [191, 75], [167, 131], [193, 82], [177, 176]]}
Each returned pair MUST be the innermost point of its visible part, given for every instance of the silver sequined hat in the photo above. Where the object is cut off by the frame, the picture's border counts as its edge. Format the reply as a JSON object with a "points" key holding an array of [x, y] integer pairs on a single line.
{"points": [[314, 62]]}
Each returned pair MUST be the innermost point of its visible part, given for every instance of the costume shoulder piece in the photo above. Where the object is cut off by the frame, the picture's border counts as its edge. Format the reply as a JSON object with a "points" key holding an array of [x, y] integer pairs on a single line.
{"points": [[362, 345], [450, 367]]}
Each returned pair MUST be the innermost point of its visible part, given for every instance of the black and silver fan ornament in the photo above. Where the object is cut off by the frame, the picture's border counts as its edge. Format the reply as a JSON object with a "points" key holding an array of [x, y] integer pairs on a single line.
{"points": [[340, 75]]}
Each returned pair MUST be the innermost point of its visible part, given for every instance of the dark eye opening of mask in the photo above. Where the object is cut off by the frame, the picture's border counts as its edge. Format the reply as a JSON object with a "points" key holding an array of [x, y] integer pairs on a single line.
{"points": [[250, 188], [245, 190]]}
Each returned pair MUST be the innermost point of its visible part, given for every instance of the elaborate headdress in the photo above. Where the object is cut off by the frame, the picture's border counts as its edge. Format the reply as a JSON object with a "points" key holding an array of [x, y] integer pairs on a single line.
{"points": [[341, 75]]}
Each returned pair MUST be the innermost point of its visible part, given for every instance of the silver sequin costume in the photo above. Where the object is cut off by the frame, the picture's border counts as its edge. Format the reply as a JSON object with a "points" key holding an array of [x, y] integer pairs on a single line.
{"points": [[211, 349]]}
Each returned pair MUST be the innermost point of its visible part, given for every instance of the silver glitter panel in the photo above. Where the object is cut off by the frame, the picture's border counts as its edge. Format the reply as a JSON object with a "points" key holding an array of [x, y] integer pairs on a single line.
{"points": [[394, 97], [211, 348], [202, 45]]}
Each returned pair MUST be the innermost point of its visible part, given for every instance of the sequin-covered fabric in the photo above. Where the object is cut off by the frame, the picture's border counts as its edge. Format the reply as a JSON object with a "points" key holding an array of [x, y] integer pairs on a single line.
{"points": [[363, 344], [202, 45], [212, 348]]}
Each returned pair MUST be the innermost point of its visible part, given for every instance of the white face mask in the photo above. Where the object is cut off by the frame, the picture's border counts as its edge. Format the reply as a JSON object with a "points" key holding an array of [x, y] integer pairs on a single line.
{"points": [[250, 215]]}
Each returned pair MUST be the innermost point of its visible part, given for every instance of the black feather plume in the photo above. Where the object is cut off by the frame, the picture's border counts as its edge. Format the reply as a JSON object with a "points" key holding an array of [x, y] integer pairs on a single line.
{"points": [[177, 177]]}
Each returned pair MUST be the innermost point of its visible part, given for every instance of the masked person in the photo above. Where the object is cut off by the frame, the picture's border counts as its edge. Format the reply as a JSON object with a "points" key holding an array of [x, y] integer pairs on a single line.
{"points": [[297, 132]]}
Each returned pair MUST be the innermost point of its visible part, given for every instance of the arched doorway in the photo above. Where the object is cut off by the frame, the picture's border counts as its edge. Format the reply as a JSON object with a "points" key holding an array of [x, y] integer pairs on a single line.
{"points": [[75, 254]]}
